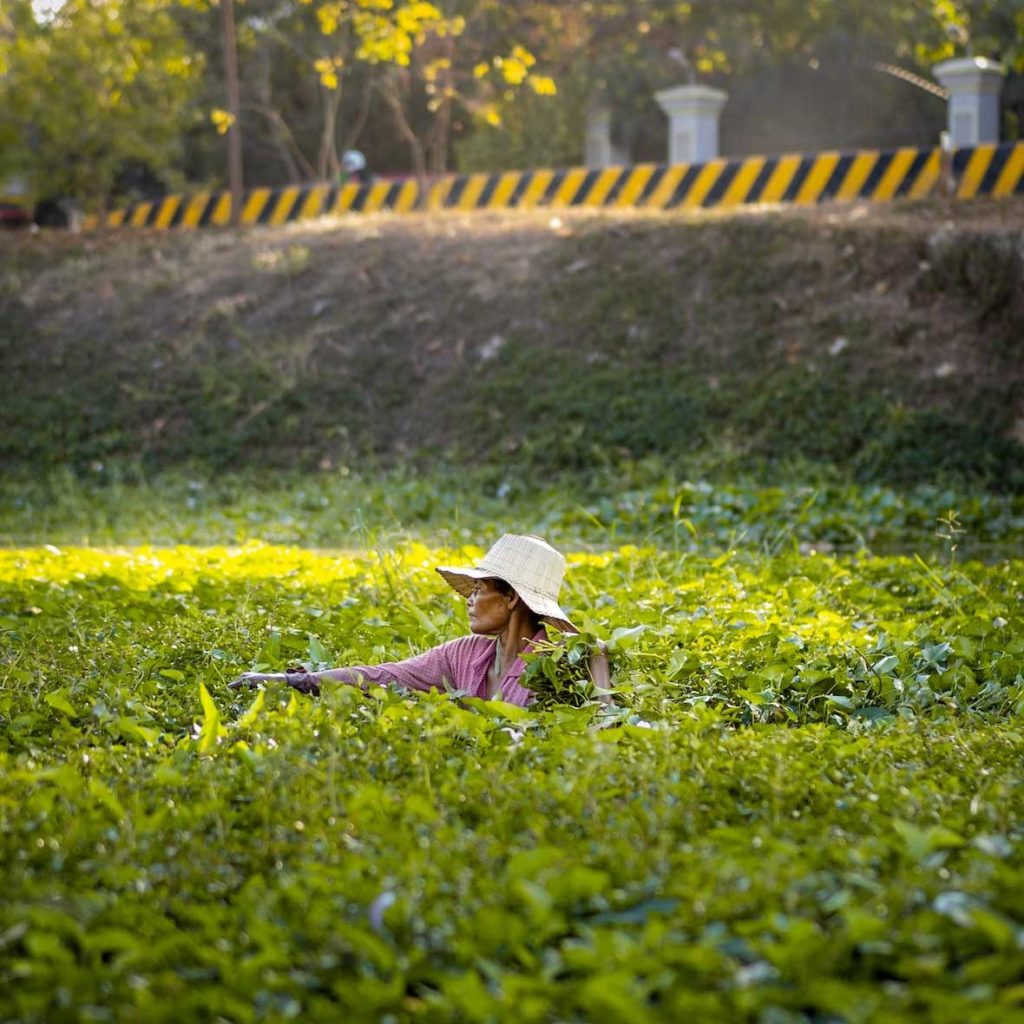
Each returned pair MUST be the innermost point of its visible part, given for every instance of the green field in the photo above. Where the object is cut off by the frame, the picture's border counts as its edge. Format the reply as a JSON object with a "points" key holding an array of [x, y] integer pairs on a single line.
{"points": [[805, 806], [785, 457]]}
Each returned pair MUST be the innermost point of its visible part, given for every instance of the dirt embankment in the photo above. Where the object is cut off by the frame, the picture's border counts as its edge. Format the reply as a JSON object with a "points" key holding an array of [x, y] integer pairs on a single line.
{"points": [[887, 340]]}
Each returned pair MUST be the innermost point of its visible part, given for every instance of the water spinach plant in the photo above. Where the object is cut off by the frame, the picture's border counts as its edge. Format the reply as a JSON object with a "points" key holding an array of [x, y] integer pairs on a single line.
{"points": [[805, 804]]}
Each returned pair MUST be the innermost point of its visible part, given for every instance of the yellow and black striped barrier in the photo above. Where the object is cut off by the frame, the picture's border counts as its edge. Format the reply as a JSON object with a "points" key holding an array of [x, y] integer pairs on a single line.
{"points": [[874, 175]]}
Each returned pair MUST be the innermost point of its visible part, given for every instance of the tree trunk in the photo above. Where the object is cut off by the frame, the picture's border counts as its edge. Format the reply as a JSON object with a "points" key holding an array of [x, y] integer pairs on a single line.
{"points": [[439, 138], [328, 164], [234, 108], [360, 122], [416, 151], [299, 168], [441, 130]]}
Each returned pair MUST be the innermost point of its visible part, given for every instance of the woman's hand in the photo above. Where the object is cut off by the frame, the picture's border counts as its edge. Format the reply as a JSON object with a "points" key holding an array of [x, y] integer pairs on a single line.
{"points": [[251, 680], [297, 678], [303, 680]]}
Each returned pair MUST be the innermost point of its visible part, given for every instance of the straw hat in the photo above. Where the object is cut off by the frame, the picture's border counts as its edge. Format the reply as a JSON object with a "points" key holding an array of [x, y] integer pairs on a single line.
{"points": [[531, 566]]}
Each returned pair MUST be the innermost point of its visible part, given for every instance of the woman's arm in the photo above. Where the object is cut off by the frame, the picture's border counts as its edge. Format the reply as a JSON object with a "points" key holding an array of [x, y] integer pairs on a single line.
{"points": [[426, 671], [297, 678]]}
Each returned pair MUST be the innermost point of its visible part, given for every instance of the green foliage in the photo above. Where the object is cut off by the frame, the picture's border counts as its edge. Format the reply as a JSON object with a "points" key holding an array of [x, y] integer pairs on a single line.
{"points": [[722, 347], [644, 502], [535, 132], [171, 847], [988, 270], [91, 87], [94, 84]]}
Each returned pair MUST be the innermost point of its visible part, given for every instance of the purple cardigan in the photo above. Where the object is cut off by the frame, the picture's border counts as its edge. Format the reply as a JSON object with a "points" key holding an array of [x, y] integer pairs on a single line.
{"points": [[461, 664]]}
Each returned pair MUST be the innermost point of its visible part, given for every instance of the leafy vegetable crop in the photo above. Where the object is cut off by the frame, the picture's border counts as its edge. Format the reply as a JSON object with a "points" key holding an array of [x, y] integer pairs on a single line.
{"points": [[642, 501], [807, 804]]}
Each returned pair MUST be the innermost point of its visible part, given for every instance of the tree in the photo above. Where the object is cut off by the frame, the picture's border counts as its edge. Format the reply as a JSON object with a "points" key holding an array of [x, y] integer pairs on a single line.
{"points": [[97, 84], [310, 69], [468, 66], [619, 52], [316, 72]]}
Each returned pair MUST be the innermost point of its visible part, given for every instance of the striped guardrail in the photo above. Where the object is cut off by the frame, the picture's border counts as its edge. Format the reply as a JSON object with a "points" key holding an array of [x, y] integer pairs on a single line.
{"points": [[875, 175]]}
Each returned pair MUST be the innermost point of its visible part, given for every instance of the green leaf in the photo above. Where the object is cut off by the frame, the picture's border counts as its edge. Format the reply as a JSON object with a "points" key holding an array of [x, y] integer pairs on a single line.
{"points": [[919, 842], [622, 638], [136, 730], [105, 795], [271, 652], [58, 699], [426, 623], [639, 913], [210, 732], [249, 718], [317, 654], [837, 700]]}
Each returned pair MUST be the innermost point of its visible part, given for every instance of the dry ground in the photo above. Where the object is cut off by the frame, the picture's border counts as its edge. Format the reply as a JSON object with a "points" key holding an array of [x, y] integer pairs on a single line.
{"points": [[390, 319]]}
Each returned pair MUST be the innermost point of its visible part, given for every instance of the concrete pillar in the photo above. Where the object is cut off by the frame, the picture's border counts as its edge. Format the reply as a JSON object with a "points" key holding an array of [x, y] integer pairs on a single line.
{"points": [[599, 150], [974, 85], [693, 112]]}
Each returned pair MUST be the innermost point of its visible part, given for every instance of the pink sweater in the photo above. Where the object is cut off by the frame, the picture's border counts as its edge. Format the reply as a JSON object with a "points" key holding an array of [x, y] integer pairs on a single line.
{"points": [[461, 664]]}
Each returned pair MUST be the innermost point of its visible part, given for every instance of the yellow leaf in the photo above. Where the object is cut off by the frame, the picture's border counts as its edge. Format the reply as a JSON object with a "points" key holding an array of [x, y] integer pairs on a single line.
{"points": [[211, 721], [425, 12], [222, 120], [326, 68], [523, 55], [543, 85], [435, 67], [513, 70], [249, 718]]}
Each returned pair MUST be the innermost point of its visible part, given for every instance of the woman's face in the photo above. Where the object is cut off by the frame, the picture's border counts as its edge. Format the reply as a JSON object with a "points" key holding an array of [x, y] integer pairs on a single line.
{"points": [[488, 608]]}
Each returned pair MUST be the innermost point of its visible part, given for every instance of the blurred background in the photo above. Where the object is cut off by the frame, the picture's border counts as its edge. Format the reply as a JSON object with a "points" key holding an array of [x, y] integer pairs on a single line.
{"points": [[598, 363], [114, 100]]}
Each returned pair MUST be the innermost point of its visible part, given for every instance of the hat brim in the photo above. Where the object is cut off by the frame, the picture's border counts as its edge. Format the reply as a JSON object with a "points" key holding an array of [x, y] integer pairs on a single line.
{"points": [[462, 580]]}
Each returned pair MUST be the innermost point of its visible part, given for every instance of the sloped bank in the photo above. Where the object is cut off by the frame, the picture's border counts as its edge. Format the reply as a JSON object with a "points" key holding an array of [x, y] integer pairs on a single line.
{"points": [[884, 343]]}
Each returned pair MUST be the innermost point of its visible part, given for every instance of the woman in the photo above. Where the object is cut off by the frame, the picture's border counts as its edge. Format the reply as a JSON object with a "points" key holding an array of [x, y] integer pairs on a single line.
{"points": [[510, 596]]}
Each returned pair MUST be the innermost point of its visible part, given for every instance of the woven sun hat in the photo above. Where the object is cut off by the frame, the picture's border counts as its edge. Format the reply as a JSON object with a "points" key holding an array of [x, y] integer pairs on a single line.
{"points": [[530, 565]]}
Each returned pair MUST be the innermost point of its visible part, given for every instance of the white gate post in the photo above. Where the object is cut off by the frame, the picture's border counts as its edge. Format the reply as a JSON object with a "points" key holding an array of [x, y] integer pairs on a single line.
{"points": [[974, 85], [693, 112], [599, 149]]}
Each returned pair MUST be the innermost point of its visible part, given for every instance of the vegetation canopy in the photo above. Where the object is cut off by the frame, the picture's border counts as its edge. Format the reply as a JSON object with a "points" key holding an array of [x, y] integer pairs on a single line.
{"points": [[117, 100], [805, 802]]}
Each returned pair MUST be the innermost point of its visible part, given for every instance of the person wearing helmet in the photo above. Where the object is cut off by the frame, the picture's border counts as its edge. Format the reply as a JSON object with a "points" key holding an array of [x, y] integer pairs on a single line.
{"points": [[353, 166]]}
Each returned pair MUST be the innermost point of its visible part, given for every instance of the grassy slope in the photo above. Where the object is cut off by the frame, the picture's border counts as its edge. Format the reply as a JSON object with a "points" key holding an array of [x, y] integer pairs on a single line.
{"points": [[885, 341]]}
